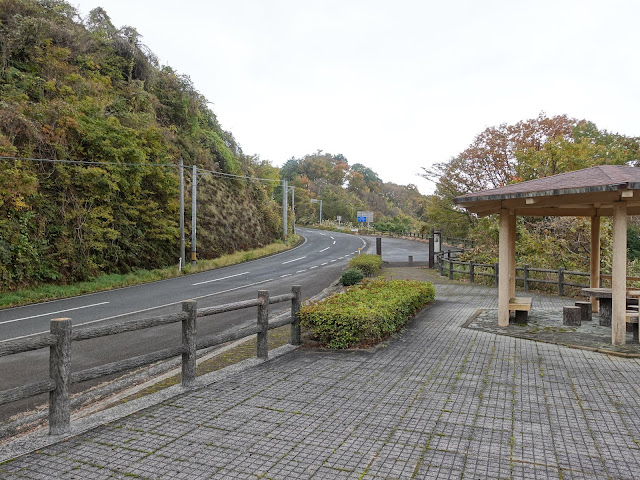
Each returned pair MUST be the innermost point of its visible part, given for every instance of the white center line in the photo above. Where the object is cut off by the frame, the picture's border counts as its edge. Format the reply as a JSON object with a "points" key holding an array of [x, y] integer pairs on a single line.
{"points": [[315, 266], [332, 238], [324, 249], [294, 260], [286, 275], [331, 261], [218, 279], [53, 313], [334, 242], [300, 271], [325, 263]]}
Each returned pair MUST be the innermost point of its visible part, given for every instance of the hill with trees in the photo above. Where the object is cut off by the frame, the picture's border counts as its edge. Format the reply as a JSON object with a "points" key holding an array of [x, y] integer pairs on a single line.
{"points": [[82, 90], [345, 189]]}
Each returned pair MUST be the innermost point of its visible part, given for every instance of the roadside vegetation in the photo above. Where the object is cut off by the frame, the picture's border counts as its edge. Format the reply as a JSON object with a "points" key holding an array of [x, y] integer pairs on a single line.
{"points": [[110, 281], [365, 314]]}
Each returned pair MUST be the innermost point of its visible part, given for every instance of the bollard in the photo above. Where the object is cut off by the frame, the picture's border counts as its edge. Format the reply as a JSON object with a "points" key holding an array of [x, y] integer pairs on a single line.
{"points": [[411, 260], [379, 246]]}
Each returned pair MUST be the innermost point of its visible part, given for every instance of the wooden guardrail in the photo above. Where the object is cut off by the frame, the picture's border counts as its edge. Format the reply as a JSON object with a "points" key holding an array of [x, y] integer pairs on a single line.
{"points": [[62, 334], [446, 265]]}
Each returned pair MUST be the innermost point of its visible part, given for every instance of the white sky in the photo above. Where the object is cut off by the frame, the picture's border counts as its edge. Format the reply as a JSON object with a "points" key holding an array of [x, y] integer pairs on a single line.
{"points": [[396, 85]]}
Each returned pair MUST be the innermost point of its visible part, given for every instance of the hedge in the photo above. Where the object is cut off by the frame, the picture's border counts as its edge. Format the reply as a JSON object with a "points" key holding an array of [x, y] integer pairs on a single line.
{"points": [[368, 264], [367, 313]]}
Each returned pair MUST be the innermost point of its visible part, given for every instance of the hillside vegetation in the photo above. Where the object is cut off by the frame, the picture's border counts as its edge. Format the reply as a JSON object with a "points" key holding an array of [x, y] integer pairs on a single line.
{"points": [[345, 189], [83, 90]]}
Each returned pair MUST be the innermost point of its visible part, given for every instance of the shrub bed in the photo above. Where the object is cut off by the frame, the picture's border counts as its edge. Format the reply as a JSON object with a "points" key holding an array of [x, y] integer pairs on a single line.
{"points": [[367, 313], [351, 277], [367, 264]]}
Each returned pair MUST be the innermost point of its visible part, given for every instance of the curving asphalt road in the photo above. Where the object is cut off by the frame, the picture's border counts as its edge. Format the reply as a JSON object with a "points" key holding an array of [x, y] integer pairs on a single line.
{"points": [[322, 252]]}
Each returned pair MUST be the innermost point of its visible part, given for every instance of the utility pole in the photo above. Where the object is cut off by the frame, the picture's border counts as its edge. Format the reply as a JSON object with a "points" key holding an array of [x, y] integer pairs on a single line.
{"points": [[293, 208], [194, 184], [183, 258], [285, 195]]}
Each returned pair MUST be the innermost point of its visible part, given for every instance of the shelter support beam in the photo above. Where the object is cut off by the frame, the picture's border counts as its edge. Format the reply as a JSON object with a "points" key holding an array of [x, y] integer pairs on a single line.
{"points": [[619, 274], [504, 255], [594, 267], [512, 255]]}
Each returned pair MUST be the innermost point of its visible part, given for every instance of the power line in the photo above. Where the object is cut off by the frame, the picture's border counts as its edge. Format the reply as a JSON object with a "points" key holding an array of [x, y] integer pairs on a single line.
{"points": [[126, 164], [88, 162]]}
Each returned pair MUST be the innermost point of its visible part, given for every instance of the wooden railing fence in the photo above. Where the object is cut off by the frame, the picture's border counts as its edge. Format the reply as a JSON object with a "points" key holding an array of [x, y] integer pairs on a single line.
{"points": [[448, 266], [62, 334]]}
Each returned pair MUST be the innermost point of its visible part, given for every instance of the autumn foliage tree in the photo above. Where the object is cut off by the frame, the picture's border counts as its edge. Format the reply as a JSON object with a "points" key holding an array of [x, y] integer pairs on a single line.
{"points": [[527, 150]]}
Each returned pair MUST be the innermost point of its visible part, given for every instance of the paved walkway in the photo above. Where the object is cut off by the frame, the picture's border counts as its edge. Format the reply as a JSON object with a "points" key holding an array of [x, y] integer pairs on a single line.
{"points": [[440, 401]]}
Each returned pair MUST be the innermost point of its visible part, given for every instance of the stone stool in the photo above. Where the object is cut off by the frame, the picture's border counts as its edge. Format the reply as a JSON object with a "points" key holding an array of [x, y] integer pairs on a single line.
{"points": [[586, 310], [571, 316]]}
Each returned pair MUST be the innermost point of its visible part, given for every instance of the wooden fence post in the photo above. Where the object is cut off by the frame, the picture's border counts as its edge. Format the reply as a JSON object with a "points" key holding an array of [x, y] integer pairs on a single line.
{"points": [[471, 272], [496, 273], [525, 276], [60, 373], [189, 343], [560, 281], [263, 325], [295, 314]]}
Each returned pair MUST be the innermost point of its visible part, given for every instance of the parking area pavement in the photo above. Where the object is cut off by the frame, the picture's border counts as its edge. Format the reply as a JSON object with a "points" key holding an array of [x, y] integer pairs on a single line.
{"points": [[438, 401]]}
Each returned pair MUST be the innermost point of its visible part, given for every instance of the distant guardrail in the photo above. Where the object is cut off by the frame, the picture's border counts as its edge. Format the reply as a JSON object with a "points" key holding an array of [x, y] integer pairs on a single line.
{"points": [[62, 335]]}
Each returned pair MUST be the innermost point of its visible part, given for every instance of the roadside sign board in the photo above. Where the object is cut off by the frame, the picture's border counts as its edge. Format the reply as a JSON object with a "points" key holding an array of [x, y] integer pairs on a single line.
{"points": [[365, 217]]}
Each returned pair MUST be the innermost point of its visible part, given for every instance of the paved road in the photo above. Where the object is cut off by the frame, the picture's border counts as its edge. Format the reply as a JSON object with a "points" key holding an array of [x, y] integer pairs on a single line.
{"points": [[314, 265], [441, 401], [322, 250]]}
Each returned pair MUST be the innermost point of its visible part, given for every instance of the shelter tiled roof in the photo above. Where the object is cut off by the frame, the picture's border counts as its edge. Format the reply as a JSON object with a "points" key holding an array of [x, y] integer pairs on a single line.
{"points": [[595, 179]]}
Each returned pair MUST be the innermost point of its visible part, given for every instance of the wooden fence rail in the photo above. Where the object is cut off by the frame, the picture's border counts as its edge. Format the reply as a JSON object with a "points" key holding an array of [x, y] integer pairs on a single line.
{"points": [[450, 266], [61, 336]]}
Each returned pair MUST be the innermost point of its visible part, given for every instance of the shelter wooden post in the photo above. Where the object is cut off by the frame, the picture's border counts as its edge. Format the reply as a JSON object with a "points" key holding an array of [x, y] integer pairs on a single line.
{"points": [[619, 274], [512, 254], [503, 259], [594, 270]]}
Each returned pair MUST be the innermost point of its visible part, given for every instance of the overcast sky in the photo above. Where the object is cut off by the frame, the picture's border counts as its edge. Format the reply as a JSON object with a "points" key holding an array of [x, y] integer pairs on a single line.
{"points": [[396, 85]]}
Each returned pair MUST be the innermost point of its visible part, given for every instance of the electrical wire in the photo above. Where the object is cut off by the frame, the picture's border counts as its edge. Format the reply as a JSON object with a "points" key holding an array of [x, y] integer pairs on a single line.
{"points": [[186, 167]]}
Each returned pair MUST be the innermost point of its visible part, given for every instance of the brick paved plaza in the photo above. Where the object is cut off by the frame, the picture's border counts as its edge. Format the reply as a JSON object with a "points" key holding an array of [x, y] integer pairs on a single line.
{"points": [[440, 401]]}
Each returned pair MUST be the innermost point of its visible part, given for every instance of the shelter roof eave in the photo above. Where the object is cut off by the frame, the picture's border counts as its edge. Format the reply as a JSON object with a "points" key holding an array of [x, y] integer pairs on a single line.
{"points": [[486, 196]]}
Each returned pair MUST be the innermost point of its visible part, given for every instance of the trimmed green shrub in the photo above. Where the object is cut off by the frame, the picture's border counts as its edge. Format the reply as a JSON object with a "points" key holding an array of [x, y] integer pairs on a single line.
{"points": [[368, 264], [367, 313], [351, 276]]}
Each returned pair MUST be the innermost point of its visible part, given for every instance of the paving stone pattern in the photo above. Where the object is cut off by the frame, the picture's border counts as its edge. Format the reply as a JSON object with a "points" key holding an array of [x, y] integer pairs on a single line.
{"points": [[440, 401]]}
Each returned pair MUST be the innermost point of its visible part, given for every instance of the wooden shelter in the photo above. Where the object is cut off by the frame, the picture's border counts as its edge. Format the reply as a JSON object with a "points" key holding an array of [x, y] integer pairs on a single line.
{"points": [[608, 190]]}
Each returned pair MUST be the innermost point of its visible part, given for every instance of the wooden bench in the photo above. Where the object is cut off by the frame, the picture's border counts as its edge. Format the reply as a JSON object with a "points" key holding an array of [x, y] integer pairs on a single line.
{"points": [[522, 307]]}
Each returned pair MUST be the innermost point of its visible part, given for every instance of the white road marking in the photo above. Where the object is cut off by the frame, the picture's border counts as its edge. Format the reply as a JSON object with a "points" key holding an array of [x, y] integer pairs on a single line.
{"points": [[294, 260], [331, 261], [53, 313], [334, 242], [300, 271], [176, 303], [325, 263], [286, 275], [332, 239], [315, 266], [323, 234], [324, 249], [218, 279]]}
